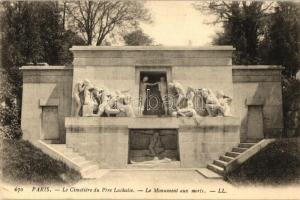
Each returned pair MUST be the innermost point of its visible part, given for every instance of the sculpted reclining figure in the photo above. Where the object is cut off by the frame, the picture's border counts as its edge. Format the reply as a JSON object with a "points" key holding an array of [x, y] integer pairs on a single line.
{"points": [[216, 105]]}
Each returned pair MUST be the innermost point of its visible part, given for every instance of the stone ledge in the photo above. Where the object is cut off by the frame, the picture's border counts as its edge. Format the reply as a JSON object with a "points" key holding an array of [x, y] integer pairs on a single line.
{"points": [[256, 67], [49, 102], [150, 123], [151, 48], [255, 101], [45, 67]]}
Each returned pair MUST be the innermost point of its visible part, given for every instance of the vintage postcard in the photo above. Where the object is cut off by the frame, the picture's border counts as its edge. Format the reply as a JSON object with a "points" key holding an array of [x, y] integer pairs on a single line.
{"points": [[131, 99]]}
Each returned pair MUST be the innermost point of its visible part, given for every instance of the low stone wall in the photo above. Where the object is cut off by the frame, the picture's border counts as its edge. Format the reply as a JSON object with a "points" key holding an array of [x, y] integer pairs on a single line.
{"points": [[106, 140]]}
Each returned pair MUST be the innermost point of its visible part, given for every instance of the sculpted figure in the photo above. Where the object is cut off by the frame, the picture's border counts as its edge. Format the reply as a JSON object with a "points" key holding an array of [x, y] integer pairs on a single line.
{"points": [[212, 103], [155, 146], [188, 110], [180, 92], [178, 95], [124, 105], [78, 96], [199, 103], [225, 102], [104, 101], [143, 93], [111, 107], [89, 101]]}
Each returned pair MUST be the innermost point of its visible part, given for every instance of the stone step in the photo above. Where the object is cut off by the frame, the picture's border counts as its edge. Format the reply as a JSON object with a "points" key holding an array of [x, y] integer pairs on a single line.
{"points": [[88, 170], [232, 154], [78, 159], [246, 145], [220, 163], [168, 165], [239, 150], [52, 141], [215, 168], [70, 154], [226, 158], [85, 163], [207, 173]]}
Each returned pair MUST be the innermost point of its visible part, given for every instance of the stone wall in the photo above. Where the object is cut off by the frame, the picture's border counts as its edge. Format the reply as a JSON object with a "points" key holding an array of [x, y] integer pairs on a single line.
{"points": [[261, 86], [48, 88], [105, 140]]}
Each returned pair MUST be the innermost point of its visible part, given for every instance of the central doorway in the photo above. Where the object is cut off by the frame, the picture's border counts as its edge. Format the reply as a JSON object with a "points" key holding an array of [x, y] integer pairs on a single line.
{"points": [[151, 98]]}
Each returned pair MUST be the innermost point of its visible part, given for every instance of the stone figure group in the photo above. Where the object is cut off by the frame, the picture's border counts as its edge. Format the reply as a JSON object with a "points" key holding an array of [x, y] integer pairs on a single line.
{"points": [[197, 102], [176, 101], [94, 101]]}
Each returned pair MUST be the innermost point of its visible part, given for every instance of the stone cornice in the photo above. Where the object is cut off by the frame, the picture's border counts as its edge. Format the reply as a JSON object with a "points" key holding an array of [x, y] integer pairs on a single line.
{"points": [[257, 67], [43, 67], [152, 48]]}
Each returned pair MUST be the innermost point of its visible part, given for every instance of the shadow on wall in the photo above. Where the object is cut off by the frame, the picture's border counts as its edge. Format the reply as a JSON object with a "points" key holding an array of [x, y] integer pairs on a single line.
{"points": [[54, 109], [264, 117]]}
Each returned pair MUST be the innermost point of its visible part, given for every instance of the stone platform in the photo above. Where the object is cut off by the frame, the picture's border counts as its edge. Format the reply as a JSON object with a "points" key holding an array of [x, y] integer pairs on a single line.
{"points": [[106, 140]]}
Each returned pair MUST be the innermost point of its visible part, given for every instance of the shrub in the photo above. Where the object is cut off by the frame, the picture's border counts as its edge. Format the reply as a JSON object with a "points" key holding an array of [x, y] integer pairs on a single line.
{"points": [[9, 112]]}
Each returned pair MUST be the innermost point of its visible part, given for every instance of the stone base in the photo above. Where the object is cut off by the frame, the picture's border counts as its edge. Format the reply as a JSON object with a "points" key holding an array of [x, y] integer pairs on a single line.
{"points": [[106, 140]]}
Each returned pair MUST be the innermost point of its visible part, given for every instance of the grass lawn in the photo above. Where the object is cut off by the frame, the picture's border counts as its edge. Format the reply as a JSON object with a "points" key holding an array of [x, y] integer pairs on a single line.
{"points": [[24, 163], [277, 165]]}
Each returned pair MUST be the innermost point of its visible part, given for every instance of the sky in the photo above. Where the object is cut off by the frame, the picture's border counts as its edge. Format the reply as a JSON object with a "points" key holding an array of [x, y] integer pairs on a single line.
{"points": [[177, 23]]}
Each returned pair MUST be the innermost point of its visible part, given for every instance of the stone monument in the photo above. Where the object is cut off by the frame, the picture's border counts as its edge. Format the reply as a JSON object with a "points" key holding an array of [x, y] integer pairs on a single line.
{"points": [[188, 104]]}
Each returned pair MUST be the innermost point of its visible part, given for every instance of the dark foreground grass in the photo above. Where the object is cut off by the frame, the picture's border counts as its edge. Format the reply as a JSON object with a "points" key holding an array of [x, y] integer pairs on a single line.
{"points": [[277, 165], [24, 163]]}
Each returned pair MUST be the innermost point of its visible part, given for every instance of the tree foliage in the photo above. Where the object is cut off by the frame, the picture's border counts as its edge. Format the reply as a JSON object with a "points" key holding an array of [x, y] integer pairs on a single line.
{"points": [[264, 33], [137, 38], [95, 20], [243, 25], [32, 33], [282, 38]]}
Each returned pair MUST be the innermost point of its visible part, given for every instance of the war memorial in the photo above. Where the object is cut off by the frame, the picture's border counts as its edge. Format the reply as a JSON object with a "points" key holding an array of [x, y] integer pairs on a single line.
{"points": [[123, 107]]}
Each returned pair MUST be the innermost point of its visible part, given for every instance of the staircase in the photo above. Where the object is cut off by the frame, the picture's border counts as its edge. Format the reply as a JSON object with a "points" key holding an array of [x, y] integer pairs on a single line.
{"points": [[219, 165], [233, 159], [87, 168]]}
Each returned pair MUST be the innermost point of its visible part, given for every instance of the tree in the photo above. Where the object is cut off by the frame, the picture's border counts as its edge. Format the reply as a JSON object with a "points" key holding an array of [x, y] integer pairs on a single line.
{"points": [[282, 38], [243, 24], [137, 38], [32, 33], [95, 20]]}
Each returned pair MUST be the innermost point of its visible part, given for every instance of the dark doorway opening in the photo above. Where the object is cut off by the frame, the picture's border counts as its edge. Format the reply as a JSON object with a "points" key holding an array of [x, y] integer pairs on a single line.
{"points": [[153, 103]]}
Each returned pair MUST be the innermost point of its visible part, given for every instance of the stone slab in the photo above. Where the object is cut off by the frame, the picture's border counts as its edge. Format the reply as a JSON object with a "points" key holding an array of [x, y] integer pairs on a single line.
{"points": [[208, 173]]}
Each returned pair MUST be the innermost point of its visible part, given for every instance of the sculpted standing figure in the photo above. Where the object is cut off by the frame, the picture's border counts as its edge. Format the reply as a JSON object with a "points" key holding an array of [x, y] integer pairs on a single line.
{"points": [[143, 93], [155, 146], [89, 102], [178, 93], [78, 95]]}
